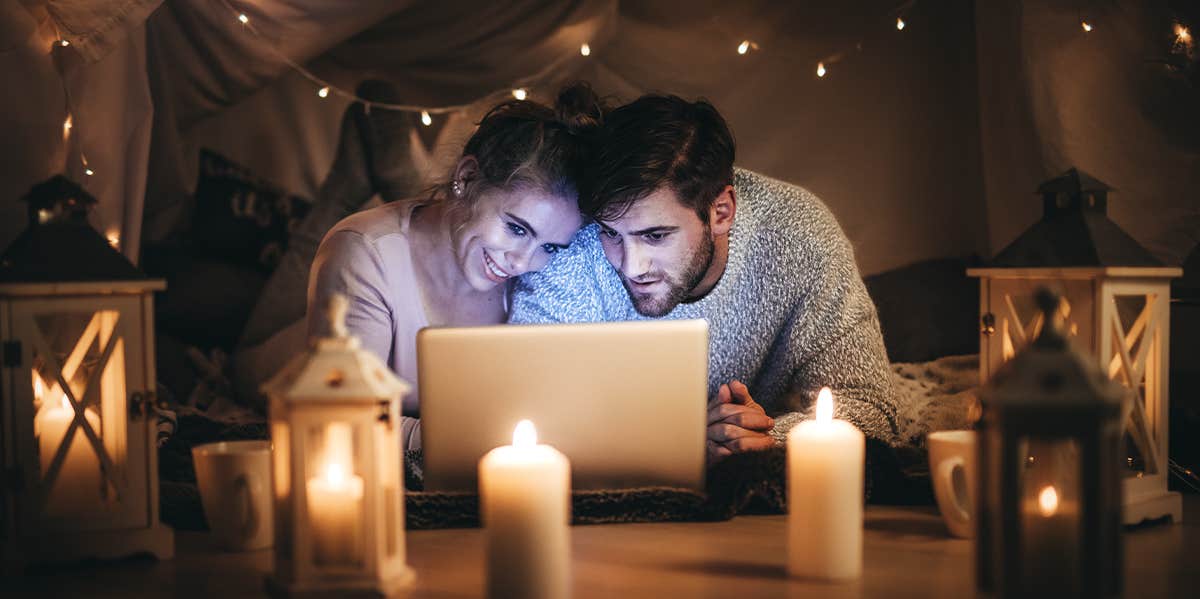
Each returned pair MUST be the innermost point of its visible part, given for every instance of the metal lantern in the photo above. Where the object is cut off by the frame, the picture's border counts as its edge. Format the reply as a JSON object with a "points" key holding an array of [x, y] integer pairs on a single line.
{"points": [[1049, 482], [1115, 304], [338, 478], [78, 437]]}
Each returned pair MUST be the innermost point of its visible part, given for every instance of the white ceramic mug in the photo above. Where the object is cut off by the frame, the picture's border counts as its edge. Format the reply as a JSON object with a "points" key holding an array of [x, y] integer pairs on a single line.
{"points": [[234, 478], [952, 470]]}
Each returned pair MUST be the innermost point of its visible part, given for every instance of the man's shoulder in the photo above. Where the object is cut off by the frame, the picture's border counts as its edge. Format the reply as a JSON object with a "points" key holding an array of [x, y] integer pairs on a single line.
{"points": [[785, 212]]}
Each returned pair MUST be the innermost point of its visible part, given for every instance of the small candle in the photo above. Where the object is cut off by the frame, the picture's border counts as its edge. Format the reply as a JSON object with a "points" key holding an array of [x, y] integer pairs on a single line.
{"points": [[825, 496], [525, 505], [335, 502], [76, 491], [1051, 540]]}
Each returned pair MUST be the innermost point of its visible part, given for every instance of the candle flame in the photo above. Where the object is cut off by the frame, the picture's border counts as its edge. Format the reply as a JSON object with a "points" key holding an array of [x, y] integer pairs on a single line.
{"points": [[524, 435], [39, 388], [335, 474], [1182, 34], [825, 405], [1048, 501]]}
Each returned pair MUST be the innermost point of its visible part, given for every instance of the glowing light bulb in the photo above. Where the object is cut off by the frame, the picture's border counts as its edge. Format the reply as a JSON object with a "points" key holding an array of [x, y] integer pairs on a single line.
{"points": [[323, 92], [899, 24], [825, 405], [820, 69], [89, 172], [243, 18], [425, 118], [585, 50], [1087, 27], [744, 47], [114, 238], [1182, 34], [520, 93], [67, 124], [524, 435], [1048, 501], [64, 43]]}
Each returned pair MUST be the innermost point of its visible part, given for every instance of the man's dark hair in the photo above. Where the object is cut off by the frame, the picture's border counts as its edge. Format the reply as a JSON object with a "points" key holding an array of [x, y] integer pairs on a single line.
{"points": [[659, 141]]}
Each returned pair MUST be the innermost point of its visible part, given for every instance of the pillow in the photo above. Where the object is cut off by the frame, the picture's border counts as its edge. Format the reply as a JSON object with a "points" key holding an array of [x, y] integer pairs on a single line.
{"points": [[927, 310], [240, 218]]}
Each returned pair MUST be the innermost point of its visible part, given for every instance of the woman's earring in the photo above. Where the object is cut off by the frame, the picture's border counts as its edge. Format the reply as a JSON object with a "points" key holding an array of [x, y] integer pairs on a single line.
{"points": [[456, 187]]}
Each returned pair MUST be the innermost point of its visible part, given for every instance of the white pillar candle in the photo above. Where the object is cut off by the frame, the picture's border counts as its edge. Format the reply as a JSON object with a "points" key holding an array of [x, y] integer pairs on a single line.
{"points": [[76, 491], [335, 502], [525, 506], [825, 496]]}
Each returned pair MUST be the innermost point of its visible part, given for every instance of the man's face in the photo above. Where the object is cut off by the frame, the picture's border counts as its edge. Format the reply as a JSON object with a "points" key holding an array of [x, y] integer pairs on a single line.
{"points": [[661, 249]]}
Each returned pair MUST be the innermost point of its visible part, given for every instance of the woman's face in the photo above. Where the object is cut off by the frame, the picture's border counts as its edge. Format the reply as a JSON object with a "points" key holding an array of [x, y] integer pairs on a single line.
{"points": [[512, 232]]}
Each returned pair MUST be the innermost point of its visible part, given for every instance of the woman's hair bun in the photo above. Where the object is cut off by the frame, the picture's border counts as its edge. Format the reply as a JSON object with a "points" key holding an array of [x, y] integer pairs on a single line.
{"points": [[579, 108]]}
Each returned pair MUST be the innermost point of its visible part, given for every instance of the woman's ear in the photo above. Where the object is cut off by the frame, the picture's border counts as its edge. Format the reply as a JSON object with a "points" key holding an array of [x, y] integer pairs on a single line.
{"points": [[721, 212], [467, 170]]}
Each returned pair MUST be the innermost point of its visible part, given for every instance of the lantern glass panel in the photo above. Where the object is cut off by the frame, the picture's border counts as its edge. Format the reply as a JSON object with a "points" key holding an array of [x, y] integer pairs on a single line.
{"points": [[390, 471], [335, 495], [80, 412], [1050, 513]]}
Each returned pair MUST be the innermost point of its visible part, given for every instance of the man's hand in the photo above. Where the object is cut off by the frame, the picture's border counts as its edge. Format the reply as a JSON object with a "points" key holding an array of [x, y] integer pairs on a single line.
{"points": [[736, 423]]}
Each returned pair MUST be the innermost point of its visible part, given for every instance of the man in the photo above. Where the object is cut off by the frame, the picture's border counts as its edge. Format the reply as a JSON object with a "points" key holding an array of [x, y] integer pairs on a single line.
{"points": [[680, 233]]}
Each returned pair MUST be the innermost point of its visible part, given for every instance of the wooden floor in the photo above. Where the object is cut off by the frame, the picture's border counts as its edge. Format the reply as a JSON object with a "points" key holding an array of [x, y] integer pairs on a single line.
{"points": [[908, 554]]}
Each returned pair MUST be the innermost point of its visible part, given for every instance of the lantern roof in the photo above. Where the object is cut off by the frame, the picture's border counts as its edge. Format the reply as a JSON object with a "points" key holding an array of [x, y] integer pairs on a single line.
{"points": [[59, 245], [1049, 380], [1074, 231], [336, 369]]}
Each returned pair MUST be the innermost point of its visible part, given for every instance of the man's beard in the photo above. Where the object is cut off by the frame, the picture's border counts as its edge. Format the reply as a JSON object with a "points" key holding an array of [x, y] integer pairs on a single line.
{"points": [[677, 288]]}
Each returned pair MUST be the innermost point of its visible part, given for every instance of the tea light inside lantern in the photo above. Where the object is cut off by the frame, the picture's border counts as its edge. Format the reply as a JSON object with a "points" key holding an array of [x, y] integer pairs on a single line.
{"points": [[76, 490], [1050, 517], [335, 501]]}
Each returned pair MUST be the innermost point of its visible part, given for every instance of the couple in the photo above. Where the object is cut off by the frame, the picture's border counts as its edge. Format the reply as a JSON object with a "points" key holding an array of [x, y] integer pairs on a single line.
{"points": [[670, 229]]}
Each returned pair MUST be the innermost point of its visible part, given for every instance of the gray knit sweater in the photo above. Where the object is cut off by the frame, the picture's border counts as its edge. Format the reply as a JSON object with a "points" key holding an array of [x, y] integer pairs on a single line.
{"points": [[789, 316]]}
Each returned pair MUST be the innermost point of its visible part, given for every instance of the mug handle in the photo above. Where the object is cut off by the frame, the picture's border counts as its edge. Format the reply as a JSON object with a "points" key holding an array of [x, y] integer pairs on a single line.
{"points": [[245, 515], [958, 508]]}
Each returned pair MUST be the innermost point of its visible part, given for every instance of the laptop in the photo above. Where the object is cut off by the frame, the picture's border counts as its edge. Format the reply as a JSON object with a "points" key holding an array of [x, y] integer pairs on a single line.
{"points": [[625, 401]]}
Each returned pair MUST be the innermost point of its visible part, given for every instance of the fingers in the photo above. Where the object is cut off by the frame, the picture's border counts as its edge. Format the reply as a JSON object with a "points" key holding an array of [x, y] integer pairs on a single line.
{"points": [[741, 394], [723, 396], [723, 432], [717, 451], [745, 444], [751, 417]]}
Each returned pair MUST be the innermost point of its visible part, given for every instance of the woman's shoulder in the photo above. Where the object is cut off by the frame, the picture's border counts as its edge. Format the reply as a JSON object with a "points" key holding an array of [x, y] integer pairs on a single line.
{"points": [[375, 223]]}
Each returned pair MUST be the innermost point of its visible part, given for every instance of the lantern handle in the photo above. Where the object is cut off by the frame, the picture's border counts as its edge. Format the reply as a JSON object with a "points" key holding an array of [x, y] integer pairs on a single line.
{"points": [[338, 306]]}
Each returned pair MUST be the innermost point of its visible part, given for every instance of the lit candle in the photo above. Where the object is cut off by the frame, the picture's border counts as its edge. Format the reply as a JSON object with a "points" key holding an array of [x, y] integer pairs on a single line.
{"points": [[1051, 540], [76, 489], [335, 502], [825, 496], [525, 506]]}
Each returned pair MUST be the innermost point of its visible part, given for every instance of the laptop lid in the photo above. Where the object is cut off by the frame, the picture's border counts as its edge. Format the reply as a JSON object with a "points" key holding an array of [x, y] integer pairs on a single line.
{"points": [[625, 401]]}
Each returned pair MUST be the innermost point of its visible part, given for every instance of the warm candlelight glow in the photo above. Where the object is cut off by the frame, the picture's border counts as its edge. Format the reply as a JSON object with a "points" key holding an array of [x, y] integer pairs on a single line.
{"points": [[825, 405], [1086, 26], [323, 92], [1048, 501], [899, 24], [585, 50], [425, 118], [820, 69], [524, 435], [39, 387], [335, 474], [67, 124], [114, 239], [243, 18], [1182, 34], [64, 43], [520, 93]]}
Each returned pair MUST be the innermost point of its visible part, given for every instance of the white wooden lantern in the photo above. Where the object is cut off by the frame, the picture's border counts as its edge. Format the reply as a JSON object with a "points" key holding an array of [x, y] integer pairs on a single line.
{"points": [[338, 475], [1115, 305], [79, 462]]}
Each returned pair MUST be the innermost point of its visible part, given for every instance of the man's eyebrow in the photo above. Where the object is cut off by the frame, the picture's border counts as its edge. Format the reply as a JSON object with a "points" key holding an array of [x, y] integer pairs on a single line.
{"points": [[523, 223]]}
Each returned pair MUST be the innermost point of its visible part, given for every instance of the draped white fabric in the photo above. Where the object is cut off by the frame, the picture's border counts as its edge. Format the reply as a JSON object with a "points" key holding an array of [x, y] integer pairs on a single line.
{"points": [[925, 143]]}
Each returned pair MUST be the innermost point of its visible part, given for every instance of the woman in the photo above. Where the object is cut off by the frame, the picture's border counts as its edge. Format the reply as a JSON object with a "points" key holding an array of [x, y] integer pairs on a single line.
{"points": [[446, 259]]}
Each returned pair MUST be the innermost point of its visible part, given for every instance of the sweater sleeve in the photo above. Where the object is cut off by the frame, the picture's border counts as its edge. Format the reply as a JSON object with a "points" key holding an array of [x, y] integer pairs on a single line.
{"points": [[569, 289], [347, 263], [834, 341]]}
